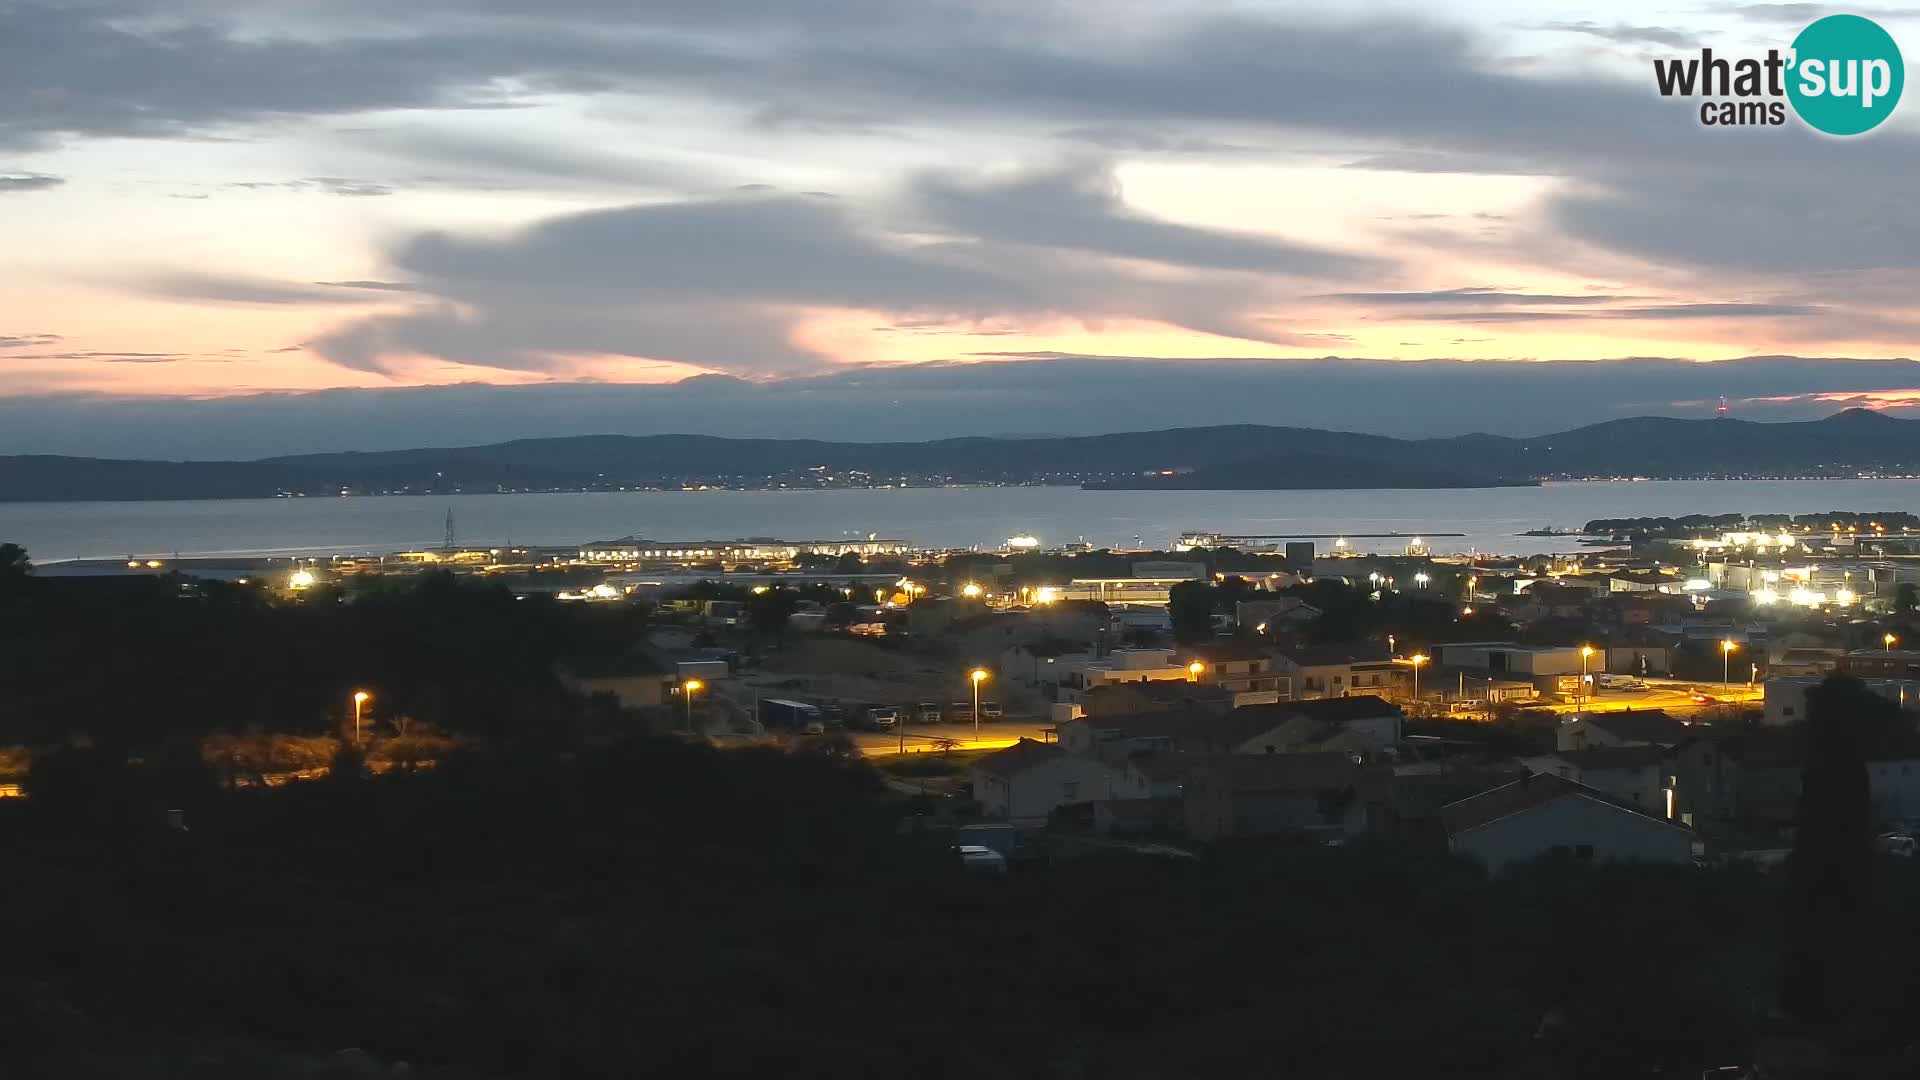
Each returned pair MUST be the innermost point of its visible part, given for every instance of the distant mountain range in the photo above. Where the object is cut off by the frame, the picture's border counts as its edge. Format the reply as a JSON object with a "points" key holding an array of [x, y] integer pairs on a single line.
{"points": [[1243, 457]]}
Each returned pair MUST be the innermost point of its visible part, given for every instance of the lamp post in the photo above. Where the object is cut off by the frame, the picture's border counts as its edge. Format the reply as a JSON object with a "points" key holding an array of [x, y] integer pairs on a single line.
{"points": [[1890, 641], [360, 699], [1580, 699], [976, 677], [1726, 661], [1421, 579], [1753, 675], [1416, 660], [1193, 671], [687, 690]]}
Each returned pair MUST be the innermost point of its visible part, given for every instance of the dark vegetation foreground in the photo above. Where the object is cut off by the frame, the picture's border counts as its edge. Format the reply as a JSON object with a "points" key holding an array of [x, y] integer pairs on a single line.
{"points": [[655, 908]]}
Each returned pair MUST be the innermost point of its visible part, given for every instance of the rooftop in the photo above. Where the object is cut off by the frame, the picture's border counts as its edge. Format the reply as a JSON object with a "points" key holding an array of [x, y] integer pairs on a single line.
{"points": [[1641, 725], [1018, 758], [1524, 794], [1614, 757]]}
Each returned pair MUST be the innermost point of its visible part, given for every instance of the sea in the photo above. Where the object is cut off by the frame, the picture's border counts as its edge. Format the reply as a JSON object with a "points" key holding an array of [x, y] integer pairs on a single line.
{"points": [[1488, 520]]}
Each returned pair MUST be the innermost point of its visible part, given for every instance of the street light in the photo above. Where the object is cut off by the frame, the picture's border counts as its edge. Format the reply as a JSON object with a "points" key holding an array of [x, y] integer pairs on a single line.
{"points": [[360, 698], [1579, 699], [1726, 661], [970, 590], [1421, 579], [976, 677], [1416, 660], [1890, 641], [1194, 669], [687, 690]]}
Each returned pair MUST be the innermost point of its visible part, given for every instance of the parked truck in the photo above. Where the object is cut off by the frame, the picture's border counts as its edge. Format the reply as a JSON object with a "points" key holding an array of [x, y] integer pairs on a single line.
{"points": [[779, 714]]}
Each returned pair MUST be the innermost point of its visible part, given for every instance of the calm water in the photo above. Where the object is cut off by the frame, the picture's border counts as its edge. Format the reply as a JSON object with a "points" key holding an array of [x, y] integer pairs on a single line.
{"points": [[934, 517]]}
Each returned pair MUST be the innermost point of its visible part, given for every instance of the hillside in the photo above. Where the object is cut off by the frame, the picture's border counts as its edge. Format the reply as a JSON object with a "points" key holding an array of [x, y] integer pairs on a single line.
{"points": [[1240, 457]]}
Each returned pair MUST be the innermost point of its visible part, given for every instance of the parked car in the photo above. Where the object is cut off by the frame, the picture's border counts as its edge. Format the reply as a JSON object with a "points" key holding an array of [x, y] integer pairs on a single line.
{"points": [[990, 710], [978, 859], [883, 716], [929, 712], [960, 712]]}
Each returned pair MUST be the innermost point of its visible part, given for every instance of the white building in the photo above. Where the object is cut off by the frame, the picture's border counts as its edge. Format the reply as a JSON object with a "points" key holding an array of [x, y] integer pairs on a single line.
{"points": [[1786, 698], [1029, 780], [1122, 666], [1635, 775], [1544, 814], [1505, 657]]}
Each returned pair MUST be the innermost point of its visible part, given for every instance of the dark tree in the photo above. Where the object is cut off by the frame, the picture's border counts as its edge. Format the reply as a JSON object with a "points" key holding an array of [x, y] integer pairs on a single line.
{"points": [[1832, 856], [14, 562], [1190, 605], [1906, 597], [768, 611]]}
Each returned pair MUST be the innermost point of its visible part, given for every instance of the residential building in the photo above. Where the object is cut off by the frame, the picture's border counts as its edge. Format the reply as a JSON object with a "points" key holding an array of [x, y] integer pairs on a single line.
{"points": [[1374, 722], [1635, 775], [1757, 776], [1329, 671], [635, 679], [1544, 814], [1123, 666], [1037, 663], [1805, 663], [1240, 665], [1786, 698], [1027, 781], [1273, 794], [1275, 615], [1633, 727], [1882, 663]]}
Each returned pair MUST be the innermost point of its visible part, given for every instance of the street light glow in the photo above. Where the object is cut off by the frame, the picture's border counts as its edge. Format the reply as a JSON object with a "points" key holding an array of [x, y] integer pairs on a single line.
{"points": [[970, 590], [978, 675], [301, 579], [693, 686]]}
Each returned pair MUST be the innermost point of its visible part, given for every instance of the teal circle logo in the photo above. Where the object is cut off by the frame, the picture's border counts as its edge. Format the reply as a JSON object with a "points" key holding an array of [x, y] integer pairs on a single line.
{"points": [[1846, 75]]}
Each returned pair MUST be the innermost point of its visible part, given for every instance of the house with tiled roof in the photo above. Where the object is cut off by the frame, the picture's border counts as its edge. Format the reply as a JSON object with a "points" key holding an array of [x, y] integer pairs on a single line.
{"points": [[1756, 776], [1027, 781], [1241, 795], [1547, 815], [1633, 727], [1636, 775]]}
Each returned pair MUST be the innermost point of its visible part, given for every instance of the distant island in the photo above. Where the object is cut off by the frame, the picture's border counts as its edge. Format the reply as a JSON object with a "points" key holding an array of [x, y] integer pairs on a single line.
{"points": [[1244, 457]]}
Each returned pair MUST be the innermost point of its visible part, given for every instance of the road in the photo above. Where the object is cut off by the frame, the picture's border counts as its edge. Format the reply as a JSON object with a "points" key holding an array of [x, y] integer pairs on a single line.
{"points": [[1669, 694], [920, 738]]}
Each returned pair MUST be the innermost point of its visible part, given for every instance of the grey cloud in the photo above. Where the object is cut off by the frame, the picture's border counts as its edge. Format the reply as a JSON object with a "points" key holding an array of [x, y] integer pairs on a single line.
{"points": [[375, 286], [1080, 208], [1477, 294], [722, 282], [510, 161], [1622, 34], [1648, 312], [331, 185], [1806, 13], [231, 289], [27, 341], [19, 182]]}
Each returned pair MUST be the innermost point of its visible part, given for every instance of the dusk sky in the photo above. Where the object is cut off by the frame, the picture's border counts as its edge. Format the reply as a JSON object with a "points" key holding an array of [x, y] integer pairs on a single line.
{"points": [[1091, 202]]}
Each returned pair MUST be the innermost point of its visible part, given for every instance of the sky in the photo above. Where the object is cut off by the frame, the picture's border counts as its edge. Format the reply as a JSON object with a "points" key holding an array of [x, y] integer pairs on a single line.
{"points": [[244, 228]]}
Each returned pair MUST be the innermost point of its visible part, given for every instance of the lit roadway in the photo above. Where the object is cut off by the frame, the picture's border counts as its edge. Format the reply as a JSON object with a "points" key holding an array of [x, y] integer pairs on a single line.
{"points": [[1669, 694], [920, 738]]}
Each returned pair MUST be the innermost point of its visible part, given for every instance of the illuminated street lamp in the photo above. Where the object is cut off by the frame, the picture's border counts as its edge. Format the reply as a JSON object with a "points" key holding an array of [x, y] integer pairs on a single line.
{"points": [[970, 590], [1890, 642], [360, 699], [1586, 653], [1416, 660], [1421, 579], [1726, 661], [1194, 669], [976, 677], [687, 690]]}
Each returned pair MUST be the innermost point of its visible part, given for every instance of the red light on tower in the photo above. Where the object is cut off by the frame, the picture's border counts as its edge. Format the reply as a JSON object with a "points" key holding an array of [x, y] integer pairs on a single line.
{"points": [[1722, 411]]}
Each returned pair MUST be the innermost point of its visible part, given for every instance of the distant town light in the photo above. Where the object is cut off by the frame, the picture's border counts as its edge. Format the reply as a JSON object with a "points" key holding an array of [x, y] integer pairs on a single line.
{"points": [[302, 579], [1023, 543], [970, 590], [1695, 585], [1045, 594], [1763, 597]]}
